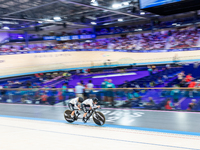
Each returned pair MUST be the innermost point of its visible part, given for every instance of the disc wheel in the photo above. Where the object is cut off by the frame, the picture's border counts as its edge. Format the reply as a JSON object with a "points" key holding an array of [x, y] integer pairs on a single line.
{"points": [[67, 116], [99, 118]]}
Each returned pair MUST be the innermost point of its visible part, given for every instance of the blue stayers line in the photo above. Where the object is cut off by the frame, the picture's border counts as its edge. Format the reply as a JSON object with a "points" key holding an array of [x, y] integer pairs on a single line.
{"points": [[109, 125]]}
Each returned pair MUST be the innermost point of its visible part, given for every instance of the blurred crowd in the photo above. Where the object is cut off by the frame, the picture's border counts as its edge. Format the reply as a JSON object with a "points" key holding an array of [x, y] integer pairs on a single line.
{"points": [[169, 39], [15, 36]]}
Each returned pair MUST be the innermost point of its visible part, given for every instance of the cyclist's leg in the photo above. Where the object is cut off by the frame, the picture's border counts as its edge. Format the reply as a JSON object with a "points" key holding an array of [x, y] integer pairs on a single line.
{"points": [[84, 109], [71, 107], [85, 112]]}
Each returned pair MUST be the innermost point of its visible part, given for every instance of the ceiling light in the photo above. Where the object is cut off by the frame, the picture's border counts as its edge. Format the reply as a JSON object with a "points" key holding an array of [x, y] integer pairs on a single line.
{"points": [[120, 20], [142, 13], [40, 21], [57, 18], [93, 23], [106, 24], [6, 28], [48, 20], [116, 6], [90, 17], [125, 3], [94, 3]]}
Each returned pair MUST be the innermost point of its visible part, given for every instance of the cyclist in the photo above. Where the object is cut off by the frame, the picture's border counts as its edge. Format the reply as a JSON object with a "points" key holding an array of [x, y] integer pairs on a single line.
{"points": [[91, 102], [73, 104]]}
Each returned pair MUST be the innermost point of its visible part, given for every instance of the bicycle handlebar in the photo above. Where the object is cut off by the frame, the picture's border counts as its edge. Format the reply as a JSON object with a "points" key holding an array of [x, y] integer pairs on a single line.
{"points": [[96, 108]]}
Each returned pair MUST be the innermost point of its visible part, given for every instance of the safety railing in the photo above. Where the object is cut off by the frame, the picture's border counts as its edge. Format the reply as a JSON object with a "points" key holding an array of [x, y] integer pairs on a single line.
{"points": [[185, 99]]}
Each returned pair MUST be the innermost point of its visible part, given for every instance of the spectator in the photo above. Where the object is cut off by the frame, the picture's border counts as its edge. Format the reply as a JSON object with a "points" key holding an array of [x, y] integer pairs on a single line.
{"points": [[180, 76], [90, 85], [89, 91], [150, 103], [82, 83], [28, 84], [165, 77], [198, 83], [68, 75], [24, 97], [110, 92], [110, 84], [168, 66], [183, 83], [175, 93], [60, 97], [77, 71], [37, 75], [126, 84], [103, 86], [137, 95], [79, 90], [64, 94], [17, 82], [160, 80], [152, 84], [137, 85], [150, 70], [189, 78], [84, 71], [168, 105], [64, 75], [10, 82], [130, 95], [36, 99], [130, 98], [52, 96], [104, 83], [196, 65], [137, 98], [153, 67], [192, 84], [192, 105], [44, 98]]}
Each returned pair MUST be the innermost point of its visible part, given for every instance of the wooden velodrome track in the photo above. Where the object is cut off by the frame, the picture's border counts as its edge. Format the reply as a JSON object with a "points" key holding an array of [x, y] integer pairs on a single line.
{"points": [[43, 127], [20, 64]]}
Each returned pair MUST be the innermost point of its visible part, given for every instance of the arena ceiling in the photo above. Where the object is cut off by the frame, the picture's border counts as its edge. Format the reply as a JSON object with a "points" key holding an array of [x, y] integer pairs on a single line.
{"points": [[29, 13], [26, 14]]}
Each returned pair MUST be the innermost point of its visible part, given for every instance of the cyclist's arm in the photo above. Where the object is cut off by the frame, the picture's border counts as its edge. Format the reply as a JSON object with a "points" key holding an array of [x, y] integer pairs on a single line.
{"points": [[76, 106], [92, 105]]}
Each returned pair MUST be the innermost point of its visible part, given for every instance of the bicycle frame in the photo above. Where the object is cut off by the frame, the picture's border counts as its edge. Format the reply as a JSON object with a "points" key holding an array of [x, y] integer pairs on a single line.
{"points": [[95, 114], [92, 111]]}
